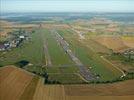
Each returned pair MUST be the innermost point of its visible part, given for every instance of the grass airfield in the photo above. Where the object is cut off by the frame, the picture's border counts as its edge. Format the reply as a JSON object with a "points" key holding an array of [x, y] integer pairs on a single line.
{"points": [[62, 68], [46, 55]]}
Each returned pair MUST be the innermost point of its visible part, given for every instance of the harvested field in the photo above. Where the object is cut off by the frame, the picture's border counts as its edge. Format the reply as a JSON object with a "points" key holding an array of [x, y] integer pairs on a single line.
{"points": [[112, 42], [21, 85], [49, 92], [13, 82], [4, 72], [30, 90], [99, 97], [4, 23], [129, 41], [115, 89], [8, 24], [3, 34]]}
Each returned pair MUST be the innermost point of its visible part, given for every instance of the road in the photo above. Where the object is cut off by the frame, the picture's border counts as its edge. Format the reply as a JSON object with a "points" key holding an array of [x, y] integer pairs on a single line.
{"points": [[85, 73]]}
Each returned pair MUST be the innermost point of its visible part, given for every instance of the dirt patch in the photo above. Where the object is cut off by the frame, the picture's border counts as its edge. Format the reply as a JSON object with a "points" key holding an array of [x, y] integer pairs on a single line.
{"points": [[112, 42], [13, 84], [4, 72]]}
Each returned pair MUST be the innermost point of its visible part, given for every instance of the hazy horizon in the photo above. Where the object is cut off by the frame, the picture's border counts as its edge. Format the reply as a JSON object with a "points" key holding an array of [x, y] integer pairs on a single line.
{"points": [[98, 6]]}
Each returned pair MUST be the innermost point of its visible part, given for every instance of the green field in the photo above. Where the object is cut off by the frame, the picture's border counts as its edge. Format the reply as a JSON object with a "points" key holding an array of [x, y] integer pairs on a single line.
{"points": [[90, 58], [63, 68], [70, 69], [64, 74], [56, 52], [66, 78], [31, 50]]}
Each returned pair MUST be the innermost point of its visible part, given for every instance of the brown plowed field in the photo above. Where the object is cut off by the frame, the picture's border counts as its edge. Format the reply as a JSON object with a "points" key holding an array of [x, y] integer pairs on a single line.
{"points": [[115, 89], [112, 42], [17, 84], [13, 82], [99, 97], [49, 92], [129, 41]]}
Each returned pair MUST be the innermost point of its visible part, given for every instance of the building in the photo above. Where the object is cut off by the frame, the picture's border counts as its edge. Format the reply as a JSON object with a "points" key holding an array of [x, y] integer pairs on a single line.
{"points": [[2, 47], [21, 37]]}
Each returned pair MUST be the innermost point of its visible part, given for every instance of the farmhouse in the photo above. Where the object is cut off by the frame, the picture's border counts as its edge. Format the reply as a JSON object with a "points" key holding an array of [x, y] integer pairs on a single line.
{"points": [[21, 37]]}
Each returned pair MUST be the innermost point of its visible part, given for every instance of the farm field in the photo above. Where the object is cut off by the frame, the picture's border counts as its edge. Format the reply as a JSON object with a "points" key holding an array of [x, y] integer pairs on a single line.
{"points": [[80, 92], [129, 41], [106, 43], [89, 57], [13, 82], [112, 42], [118, 44], [29, 87]]}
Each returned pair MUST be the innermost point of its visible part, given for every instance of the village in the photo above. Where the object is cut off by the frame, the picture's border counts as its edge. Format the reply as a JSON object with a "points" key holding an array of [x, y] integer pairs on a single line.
{"points": [[16, 39]]}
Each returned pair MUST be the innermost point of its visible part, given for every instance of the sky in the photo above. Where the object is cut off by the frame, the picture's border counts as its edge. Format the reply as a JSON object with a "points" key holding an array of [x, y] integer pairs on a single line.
{"points": [[67, 5]]}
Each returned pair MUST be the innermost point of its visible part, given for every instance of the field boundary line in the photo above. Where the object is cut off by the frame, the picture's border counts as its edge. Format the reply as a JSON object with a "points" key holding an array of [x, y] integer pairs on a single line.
{"points": [[81, 77], [113, 66]]}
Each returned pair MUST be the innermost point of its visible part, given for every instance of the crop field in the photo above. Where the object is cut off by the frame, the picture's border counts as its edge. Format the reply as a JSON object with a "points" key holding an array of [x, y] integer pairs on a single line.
{"points": [[91, 59], [30, 87], [13, 82], [112, 42], [129, 41], [49, 92], [117, 44], [84, 92]]}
